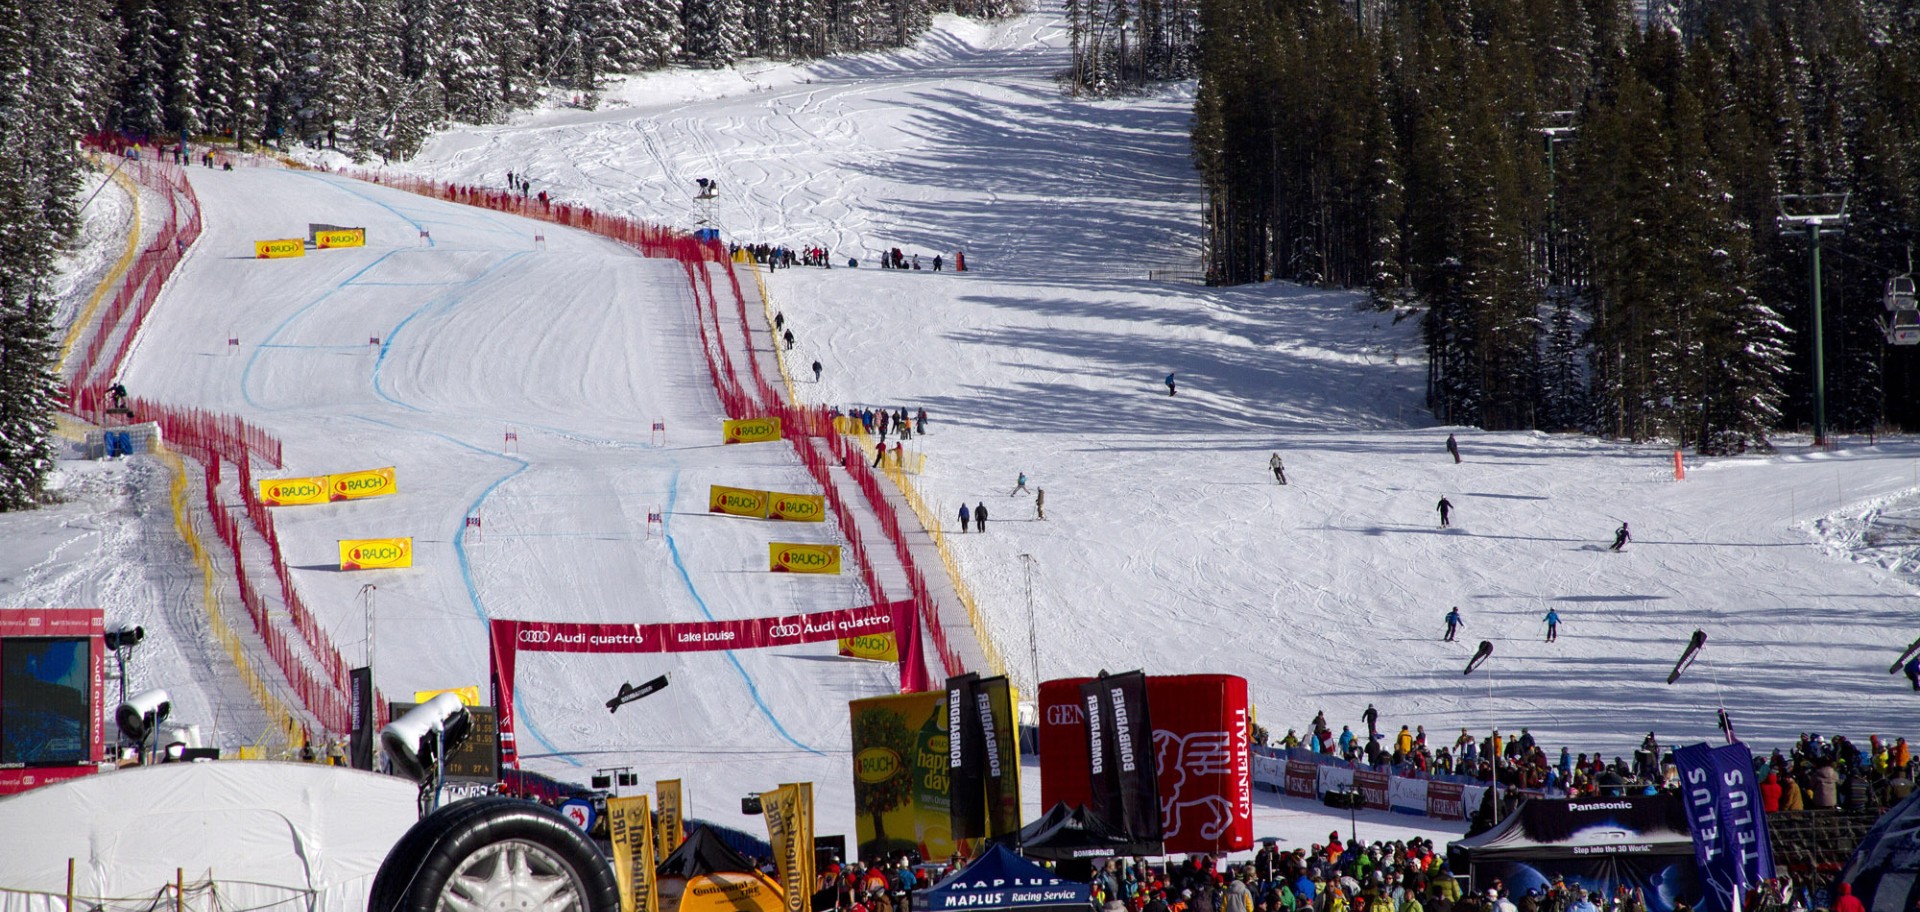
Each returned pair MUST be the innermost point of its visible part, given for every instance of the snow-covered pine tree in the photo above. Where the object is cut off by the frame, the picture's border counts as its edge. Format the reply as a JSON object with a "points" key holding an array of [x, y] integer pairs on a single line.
{"points": [[712, 33]]}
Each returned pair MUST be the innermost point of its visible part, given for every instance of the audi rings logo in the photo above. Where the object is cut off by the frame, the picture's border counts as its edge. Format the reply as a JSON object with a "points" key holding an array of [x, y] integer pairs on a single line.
{"points": [[1066, 714], [784, 630], [536, 636]]}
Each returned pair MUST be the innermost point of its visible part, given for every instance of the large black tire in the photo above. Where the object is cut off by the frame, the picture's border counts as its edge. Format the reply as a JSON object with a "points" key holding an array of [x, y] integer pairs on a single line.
{"points": [[472, 838]]}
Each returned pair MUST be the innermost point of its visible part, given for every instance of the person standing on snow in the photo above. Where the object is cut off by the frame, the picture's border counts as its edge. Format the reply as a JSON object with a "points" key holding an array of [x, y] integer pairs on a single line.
{"points": [[1279, 470], [965, 516], [788, 336], [936, 262], [816, 372], [1169, 384], [1553, 625], [1445, 507], [1021, 485], [920, 422], [879, 453], [1453, 623], [1620, 538], [1372, 717], [1453, 446], [1040, 503], [980, 515]]}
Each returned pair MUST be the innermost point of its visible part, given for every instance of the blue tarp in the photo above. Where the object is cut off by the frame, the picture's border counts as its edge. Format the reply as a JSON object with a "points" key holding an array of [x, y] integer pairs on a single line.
{"points": [[1002, 880]]}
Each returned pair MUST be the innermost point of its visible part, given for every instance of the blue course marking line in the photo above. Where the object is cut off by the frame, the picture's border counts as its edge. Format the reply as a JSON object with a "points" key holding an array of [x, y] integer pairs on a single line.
{"points": [[444, 302], [246, 373], [673, 548], [345, 187]]}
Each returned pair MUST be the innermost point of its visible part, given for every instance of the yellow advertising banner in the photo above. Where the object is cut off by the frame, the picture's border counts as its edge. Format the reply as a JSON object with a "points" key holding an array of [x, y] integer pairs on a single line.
{"points": [[629, 828], [469, 695], [789, 814], [881, 647], [375, 553], [736, 501], [283, 247], [750, 430], [797, 507], [791, 557], [345, 237], [667, 835], [285, 492], [900, 793], [368, 483]]}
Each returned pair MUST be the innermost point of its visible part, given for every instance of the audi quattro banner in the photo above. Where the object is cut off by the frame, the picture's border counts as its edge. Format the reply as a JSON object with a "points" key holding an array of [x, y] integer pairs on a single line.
{"points": [[510, 637], [797, 507], [793, 557], [750, 430], [375, 553], [355, 485], [341, 237], [1201, 754], [287, 492], [280, 247], [737, 501]]}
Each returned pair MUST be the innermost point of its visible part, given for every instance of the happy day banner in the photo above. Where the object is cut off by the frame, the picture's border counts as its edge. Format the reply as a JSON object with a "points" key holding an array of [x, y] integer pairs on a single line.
{"points": [[375, 553], [793, 557]]}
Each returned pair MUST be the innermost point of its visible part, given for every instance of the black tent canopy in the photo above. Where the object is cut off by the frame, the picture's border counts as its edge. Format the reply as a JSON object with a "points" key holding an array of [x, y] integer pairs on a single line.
{"points": [[1064, 833]]}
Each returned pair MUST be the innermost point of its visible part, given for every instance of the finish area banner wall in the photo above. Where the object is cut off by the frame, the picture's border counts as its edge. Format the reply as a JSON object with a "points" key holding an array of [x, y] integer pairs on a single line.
{"points": [[1202, 757], [510, 638]]}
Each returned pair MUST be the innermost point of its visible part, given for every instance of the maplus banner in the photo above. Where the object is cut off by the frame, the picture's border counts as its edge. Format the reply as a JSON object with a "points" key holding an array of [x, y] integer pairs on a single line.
{"points": [[280, 247], [510, 638], [797, 507], [737, 501], [1723, 811], [1203, 761], [344, 237], [794, 557], [355, 485], [375, 553], [750, 430], [285, 492]]}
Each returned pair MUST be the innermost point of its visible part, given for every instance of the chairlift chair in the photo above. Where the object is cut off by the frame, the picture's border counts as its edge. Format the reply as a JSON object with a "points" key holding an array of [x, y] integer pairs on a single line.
{"points": [[1901, 294], [1903, 328]]}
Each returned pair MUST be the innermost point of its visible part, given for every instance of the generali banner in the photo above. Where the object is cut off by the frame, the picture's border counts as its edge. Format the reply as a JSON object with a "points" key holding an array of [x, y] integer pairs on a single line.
{"points": [[789, 814], [1204, 767], [355, 485], [750, 430], [793, 557], [375, 553], [287, 492], [736, 501], [629, 830], [342, 237], [512, 637], [281, 247]]}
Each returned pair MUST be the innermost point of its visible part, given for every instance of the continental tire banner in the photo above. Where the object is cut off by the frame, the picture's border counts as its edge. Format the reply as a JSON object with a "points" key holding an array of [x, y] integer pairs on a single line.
{"points": [[355, 485], [750, 430], [797, 507], [993, 703], [509, 638], [966, 765], [879, 647], [275, 249], [736, 501], [1200, 752], [792, 557], [375, 553], [667, 834], [789, 813], [629, 829], [341, 237], [900, 789], [287, 492]]}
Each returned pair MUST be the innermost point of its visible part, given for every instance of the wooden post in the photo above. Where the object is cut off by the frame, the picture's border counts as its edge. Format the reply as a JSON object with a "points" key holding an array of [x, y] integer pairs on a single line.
{"points": [[69, 885], [179, 890]]}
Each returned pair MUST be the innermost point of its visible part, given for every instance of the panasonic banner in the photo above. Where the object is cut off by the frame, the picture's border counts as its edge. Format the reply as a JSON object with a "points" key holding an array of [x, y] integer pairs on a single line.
{"points": [[1723, 810]]}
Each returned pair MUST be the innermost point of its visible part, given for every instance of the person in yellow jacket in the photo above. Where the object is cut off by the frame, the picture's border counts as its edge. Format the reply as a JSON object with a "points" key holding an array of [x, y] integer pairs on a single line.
{"points": [[1403, 744], [1411, 903]]}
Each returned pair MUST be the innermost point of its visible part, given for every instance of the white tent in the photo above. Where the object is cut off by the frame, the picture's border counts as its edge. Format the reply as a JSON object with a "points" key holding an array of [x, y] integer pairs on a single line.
{"points": [[290, 836]]}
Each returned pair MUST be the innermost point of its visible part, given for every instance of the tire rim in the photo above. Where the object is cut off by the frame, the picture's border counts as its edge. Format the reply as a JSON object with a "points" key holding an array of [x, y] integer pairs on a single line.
{"points": [[513, 876]]}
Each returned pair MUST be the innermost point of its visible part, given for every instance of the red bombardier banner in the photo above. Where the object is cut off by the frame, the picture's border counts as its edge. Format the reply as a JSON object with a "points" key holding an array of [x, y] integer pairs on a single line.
{"points": [[1205, 769], [513, 637]]}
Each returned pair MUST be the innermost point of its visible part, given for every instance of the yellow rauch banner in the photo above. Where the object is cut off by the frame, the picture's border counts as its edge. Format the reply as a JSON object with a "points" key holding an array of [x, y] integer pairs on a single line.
{"points": [[797, 507], [345, 237], [789, 557], [355, 485], [629, 829], [879, 647], [750, 430], [375, 553], [283, 492], [900, 792], [789, 813], [284, 247], [469, 695], [667, 834], [736, 501]]}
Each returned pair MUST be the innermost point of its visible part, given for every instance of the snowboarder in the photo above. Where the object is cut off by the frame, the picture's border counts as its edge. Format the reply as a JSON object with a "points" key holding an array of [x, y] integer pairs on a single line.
{"points": [[1445, 507], [1453, 446], [1019, 486], [980, 516], [119, 394], [1553, 625], [1040, 507], [816, 372], [1620, 538], [1279, 470], [788, 335], [965, 516], [1453, 622], [879, 453], [1913, 671], [1169, 384]]}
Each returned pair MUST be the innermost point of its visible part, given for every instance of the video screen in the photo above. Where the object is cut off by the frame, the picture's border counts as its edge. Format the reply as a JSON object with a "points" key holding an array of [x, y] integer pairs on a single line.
{"points": [[44, 703]]}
